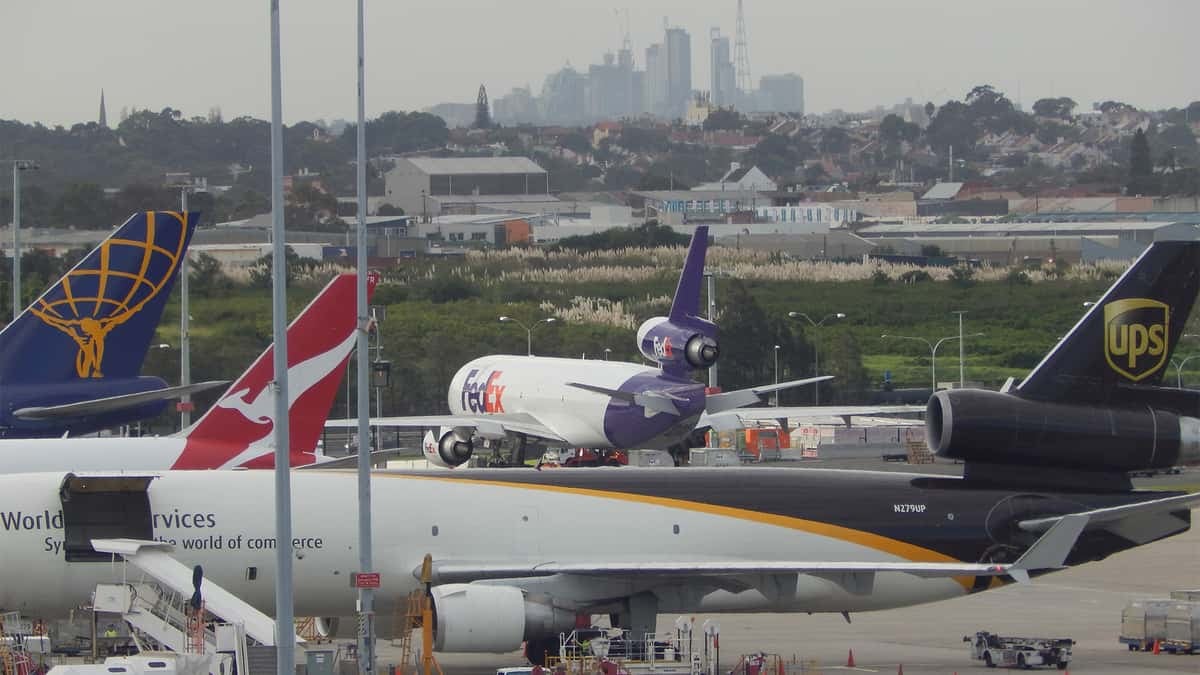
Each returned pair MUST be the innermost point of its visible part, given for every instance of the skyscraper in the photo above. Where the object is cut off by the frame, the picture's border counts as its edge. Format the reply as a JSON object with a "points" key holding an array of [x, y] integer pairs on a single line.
{"points": [[103, 113], [654, 84], [781, 93], [723, 85], [679, 71]]}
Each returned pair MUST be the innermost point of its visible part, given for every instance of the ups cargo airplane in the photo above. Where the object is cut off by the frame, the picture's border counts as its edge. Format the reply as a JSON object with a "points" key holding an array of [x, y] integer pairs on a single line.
{"points": [[604, 404], [518, 554]]}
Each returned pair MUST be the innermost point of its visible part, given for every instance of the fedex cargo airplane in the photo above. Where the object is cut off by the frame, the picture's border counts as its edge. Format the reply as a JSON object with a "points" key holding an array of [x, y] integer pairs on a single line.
{"points": [[236, 432], [1045, 486], [592, 404], [69, 363]]}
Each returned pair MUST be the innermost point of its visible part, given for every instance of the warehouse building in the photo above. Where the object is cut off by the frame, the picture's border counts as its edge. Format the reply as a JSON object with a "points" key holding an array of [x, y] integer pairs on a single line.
{"points": [[430, 186]]}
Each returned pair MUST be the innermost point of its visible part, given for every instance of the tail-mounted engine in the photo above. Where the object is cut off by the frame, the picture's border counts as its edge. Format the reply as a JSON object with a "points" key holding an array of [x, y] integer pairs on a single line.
{"points": [[452, 447], [997, 428], [692, 345]]}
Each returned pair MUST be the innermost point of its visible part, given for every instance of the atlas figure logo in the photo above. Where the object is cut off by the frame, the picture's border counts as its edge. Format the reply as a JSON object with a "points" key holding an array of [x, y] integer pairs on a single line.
{"points": [[1135, 336], [483, 394]]}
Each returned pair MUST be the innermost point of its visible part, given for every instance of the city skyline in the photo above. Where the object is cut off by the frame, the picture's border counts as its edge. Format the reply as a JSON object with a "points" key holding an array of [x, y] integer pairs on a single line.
{"points": [[853, 55]]}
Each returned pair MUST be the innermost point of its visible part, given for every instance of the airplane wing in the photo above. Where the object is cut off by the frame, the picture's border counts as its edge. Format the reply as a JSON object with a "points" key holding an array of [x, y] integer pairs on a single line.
{"points": [[111, 403], [488, 426], [738, 417], [729, 400], [1050, 551]]}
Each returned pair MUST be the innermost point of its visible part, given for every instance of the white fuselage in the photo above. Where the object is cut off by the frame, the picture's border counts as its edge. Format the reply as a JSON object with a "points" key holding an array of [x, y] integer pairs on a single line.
{"points": [[148, 453], [538, 386], [224, 521]]}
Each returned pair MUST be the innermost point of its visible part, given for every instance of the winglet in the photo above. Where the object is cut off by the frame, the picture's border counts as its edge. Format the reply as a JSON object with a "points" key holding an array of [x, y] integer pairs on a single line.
{"points": [[1050, 551], [687, 293]]}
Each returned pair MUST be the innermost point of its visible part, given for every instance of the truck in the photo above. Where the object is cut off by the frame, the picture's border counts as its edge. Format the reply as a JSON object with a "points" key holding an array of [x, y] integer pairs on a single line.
{"points": [[1019, 652]]}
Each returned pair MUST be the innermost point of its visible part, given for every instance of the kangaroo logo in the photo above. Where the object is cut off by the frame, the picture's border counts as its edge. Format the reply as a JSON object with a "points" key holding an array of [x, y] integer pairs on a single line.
{"points": [[110, 287], [1135, 337]]}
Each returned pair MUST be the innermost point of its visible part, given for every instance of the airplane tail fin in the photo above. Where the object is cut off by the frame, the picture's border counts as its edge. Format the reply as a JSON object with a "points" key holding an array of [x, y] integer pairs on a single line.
{"points": [[686, 302], [98, 320], [683, 341], [237, 428], [1124, 341]]}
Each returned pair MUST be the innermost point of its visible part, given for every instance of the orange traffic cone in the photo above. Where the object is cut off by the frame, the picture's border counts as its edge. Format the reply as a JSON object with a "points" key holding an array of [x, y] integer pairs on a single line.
{"points": [[850, 660], [1156, 647]]}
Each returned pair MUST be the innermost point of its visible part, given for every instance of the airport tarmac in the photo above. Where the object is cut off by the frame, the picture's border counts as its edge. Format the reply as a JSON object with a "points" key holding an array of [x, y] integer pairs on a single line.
{"points": [[1083, 603]]}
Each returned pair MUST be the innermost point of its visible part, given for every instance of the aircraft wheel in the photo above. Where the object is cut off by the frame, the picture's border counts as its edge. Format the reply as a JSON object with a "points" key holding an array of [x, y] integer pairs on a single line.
{"points": [[537, 650]]}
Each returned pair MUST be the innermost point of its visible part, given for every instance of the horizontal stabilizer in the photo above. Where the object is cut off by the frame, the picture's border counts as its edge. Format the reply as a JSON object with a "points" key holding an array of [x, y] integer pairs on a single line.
{"points": [[111, 403], [741, 398], [1099, 517], [654, 402]]}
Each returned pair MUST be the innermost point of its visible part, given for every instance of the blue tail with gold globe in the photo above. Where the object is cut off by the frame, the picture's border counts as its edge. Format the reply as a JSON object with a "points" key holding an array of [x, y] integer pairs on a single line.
{"points": [[86, 337]]}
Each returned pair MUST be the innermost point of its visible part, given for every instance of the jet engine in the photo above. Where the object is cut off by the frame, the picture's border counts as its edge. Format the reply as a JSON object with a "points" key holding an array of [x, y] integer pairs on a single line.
{"points": [[665, 342], [327, 626], [453, 447], [998, 428], [484, 618]]}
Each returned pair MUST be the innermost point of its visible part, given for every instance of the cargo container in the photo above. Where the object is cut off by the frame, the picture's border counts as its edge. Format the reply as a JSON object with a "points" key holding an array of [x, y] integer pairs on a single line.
{"points": [[1183, 627], [1143, 622], [1193, 595]]}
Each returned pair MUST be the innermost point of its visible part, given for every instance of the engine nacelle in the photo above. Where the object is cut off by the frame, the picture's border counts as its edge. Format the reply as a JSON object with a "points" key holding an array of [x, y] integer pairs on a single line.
{"points": [[452, 447], [327, 626], [495, 619], [997, 428], [661, 340]]}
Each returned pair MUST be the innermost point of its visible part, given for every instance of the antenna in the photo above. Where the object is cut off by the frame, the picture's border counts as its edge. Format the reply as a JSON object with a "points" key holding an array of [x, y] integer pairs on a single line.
{"points": [[743, 54]]}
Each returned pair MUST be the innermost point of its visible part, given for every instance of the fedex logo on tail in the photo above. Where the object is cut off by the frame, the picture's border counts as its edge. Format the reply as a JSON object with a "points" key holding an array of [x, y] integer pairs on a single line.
{"points": [[483, 393]]}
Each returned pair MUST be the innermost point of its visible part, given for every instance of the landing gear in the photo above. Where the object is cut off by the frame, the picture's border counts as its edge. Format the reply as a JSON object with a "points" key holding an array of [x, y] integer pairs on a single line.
{"points": [[537, 650]]}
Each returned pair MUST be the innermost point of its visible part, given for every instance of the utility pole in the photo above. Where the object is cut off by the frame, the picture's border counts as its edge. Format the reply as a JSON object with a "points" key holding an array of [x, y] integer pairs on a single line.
{"points": [[712, 316], [185, 336], [366, 596], [961, 378], [285, 646], [19, 165]]}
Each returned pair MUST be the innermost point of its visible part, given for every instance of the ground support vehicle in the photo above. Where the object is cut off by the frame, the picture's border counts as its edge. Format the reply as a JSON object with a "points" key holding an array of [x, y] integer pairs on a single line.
{"points": [[1020, 652]]}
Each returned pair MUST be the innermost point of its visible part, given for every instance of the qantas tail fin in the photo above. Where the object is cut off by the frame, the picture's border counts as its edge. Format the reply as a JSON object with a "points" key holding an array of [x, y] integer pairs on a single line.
{"points": [[1125, 340], [98, 320], [236, 430]]}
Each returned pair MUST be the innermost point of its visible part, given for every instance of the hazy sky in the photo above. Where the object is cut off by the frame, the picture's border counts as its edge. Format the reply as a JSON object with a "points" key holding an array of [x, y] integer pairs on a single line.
{"points": [[853, 54]]}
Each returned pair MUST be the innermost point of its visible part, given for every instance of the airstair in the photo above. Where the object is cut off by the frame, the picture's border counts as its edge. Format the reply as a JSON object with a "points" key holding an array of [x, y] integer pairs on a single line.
{"points": [[158, 608]]}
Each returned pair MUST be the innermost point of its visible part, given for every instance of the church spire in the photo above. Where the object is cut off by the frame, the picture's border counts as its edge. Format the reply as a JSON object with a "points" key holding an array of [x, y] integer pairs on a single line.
{"points": [[103, 114]]}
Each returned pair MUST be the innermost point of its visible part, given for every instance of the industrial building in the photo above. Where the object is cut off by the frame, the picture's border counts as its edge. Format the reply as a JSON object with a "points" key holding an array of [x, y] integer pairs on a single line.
{"points": [[1015, 243], [430, 186]]}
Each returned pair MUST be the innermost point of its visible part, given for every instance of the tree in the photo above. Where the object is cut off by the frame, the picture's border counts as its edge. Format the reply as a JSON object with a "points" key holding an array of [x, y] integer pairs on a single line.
{"points": [[723, 119], [835, 141], [1141, 167], [895, 129], [1060, 108]]}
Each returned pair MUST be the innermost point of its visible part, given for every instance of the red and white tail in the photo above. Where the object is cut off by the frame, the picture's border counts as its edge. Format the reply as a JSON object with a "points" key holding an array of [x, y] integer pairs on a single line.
{"points": [[237, 430]]}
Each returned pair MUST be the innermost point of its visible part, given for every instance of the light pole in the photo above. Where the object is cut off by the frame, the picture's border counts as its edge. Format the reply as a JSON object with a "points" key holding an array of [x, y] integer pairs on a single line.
{"points": [[933, 347], [607, 351], [19, 165], [816, 351], [185, 337], [528, 330], [961, 378], [776, 403], [1179, 369]]}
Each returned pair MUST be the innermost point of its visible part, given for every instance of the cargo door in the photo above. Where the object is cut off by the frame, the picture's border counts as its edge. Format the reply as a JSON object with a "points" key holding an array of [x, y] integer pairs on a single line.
{"points": [[103, 507]]}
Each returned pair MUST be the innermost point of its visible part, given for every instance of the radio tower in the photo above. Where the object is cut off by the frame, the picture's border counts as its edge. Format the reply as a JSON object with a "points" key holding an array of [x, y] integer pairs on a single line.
{"points": [[742, 54]]}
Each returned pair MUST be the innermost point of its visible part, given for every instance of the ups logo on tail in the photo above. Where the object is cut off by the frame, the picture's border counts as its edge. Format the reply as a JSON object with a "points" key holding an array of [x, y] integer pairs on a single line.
{"points": [[1135, 336]]}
